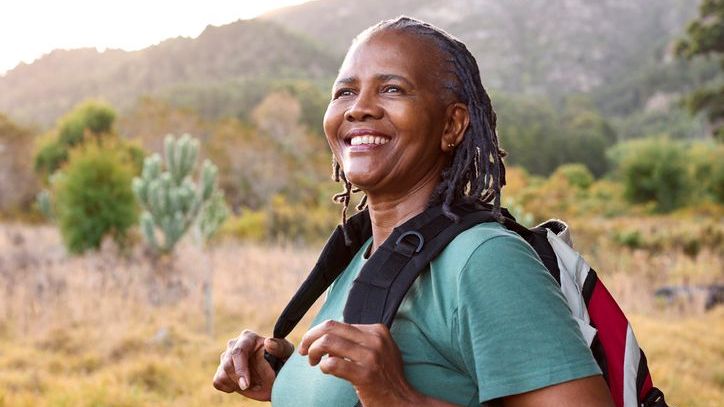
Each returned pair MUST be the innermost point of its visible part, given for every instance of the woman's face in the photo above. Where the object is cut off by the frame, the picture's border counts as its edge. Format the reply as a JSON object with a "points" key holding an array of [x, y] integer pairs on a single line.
{"points": [[387, 115]]}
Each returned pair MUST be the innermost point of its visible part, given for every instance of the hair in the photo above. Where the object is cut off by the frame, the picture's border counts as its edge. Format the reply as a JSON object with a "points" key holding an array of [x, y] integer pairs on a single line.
{"points": [[476, 172]]}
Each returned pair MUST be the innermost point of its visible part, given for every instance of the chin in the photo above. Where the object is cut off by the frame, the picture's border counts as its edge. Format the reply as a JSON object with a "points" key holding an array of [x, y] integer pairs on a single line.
{"points": [[363, 180]]}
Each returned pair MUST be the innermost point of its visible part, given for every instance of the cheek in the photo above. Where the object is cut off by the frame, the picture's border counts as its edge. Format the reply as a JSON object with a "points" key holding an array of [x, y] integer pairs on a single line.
{"points": [[331, 122]]}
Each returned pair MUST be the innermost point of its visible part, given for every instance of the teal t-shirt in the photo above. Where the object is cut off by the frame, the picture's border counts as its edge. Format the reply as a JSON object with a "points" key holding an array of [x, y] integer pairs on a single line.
{"points": [[485, 321]]}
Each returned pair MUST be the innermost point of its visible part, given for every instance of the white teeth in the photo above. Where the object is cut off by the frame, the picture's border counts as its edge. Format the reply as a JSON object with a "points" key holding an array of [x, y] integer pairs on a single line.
{"points": [[359, 140]]}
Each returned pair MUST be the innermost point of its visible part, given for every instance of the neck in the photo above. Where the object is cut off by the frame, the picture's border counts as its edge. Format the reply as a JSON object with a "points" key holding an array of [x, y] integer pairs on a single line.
{"points": [[388, 211]]}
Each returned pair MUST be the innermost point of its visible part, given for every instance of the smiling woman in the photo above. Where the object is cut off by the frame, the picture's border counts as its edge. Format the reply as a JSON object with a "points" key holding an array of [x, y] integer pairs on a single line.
{"points": [[411, 126]]}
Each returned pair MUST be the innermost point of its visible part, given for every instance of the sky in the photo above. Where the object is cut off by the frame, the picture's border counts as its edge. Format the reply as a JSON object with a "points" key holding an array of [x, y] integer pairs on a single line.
{"points": [[31, 28]]}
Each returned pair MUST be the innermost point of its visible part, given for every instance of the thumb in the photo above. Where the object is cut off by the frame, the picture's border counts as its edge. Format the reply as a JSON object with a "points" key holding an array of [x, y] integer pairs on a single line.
{"points": [[280, 348]]}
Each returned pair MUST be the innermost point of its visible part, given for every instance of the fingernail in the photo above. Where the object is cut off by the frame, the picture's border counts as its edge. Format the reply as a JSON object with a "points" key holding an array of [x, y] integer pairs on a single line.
{"points": [[243, 384], [273, 345]]}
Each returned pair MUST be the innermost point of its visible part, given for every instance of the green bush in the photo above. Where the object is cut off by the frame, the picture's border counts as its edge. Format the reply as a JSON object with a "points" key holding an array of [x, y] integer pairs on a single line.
{"points": [[707, 161], [578, 175], [90, 119], [93, 197], [93, 117], [654, 170]]}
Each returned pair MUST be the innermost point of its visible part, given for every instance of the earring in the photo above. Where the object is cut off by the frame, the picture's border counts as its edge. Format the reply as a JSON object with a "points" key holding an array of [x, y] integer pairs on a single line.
{"points": [[451, 146]]}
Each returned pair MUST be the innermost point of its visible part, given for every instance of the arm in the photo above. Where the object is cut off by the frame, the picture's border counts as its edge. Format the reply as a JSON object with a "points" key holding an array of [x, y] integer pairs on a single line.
{"points": [[367, 356]]}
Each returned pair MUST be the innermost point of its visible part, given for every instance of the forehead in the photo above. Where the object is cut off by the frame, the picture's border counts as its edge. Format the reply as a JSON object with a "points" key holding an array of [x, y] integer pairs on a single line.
{"points": [[393, 52]]}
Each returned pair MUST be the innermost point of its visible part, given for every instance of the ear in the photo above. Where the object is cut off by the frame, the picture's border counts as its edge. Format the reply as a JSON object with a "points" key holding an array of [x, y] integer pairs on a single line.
{"points": [[457, 119]]}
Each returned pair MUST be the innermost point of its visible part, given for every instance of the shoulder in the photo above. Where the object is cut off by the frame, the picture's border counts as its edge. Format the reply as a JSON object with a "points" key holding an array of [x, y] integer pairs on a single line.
{"points": [[487, 248], [490, 263]]}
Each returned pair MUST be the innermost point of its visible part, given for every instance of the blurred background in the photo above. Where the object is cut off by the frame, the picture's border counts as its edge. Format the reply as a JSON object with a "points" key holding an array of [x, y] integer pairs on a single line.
{"points": [[128, 258]]}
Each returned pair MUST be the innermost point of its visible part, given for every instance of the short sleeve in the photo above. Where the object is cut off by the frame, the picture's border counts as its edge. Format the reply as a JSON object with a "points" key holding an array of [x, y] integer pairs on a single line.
{"points": [[513, 324]]}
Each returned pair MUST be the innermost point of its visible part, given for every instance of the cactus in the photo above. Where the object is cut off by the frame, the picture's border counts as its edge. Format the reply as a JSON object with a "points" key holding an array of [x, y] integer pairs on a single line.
{"points": [[172, 201], [45, 204]]}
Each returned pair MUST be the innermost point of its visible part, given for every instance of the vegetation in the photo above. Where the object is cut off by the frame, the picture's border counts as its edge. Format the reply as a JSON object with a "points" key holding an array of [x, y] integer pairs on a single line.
{"points": [[93, 198], [172, 202], [704, 37], [541, 139], [589, 115], [89, 121], [88, 169], [114, 346]]}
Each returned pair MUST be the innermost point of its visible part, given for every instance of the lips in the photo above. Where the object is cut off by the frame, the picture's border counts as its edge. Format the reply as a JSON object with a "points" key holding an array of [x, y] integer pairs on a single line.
{"points": [[366, 137]]}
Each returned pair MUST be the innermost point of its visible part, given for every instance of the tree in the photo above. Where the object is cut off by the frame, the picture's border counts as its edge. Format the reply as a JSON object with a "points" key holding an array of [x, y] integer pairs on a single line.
{"points": [[705, 37], [90, 119], [93, 197]]}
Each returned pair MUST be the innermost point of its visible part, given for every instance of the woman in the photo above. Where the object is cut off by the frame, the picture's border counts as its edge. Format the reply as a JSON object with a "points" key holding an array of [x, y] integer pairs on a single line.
{"points": [[411, 125]]}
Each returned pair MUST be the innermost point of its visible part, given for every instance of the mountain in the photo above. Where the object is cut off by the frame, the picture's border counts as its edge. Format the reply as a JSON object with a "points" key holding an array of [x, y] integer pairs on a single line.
{"points": [[42, 91], [549, 47], [615, 51]]}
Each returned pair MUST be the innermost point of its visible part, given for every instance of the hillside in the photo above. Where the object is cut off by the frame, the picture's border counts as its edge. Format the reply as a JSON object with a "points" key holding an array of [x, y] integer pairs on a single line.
{"points": [[522, 46], [615, 51], [41, 91]]}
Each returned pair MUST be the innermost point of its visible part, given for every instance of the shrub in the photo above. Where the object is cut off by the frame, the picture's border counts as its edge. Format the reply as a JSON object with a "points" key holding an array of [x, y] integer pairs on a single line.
{"points": [[654, 170], [707, 162], [94, 197], [90, 119], [578, 175]]}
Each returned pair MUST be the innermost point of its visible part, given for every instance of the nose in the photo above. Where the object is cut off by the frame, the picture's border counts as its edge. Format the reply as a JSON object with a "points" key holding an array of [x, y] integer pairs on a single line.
{"points": [[365, 107]]}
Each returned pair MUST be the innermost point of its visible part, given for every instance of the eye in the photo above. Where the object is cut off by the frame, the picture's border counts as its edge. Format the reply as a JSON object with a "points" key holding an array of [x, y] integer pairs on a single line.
{"points": [[342, 92], [391, 89]]}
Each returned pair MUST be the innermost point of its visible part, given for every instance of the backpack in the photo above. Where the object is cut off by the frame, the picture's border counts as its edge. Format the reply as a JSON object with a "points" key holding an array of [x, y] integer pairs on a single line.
{"points": [[378, 291]]}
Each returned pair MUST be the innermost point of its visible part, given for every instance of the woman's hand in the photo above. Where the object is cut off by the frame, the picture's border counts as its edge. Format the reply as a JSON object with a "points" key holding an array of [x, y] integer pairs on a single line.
{"points": [[364, 355], [243, 369]]}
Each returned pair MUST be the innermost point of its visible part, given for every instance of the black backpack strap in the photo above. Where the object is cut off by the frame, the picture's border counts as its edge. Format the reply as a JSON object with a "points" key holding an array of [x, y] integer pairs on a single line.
{"points": [[381, 285], [334, 258], [379, 289]]}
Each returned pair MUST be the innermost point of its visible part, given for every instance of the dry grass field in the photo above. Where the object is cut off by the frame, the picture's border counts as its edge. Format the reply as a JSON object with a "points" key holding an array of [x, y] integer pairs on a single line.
{"points": [[115, 330]]}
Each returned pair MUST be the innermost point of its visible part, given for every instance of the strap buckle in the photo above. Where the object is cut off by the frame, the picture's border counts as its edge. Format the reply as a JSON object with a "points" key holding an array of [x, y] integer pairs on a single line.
{"points": [[408, 249]]}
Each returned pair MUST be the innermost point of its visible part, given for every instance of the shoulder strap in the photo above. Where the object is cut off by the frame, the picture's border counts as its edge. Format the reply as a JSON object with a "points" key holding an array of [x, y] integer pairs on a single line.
{"points": [[381, 285], [378, 291], [333, 259]]}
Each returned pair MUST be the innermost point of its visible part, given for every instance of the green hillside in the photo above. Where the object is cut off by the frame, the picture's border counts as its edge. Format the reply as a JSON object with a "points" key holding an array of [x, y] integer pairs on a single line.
{"points": [[40, 92]]}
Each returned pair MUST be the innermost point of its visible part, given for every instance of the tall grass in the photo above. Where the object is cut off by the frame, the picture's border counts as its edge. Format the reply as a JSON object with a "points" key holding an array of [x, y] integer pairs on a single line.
{"points": [[115, 329]]}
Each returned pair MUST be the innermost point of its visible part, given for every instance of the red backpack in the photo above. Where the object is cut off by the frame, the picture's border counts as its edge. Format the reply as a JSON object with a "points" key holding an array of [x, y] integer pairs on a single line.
{"points": [[378, 291]]}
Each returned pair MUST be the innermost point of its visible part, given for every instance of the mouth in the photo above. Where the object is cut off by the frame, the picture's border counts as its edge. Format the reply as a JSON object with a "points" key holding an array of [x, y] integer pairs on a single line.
{"points": [[366, 137]]}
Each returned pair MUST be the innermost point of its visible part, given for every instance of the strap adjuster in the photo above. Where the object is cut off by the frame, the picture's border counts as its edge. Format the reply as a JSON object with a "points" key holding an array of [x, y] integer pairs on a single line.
{"points": [[409, 250]]}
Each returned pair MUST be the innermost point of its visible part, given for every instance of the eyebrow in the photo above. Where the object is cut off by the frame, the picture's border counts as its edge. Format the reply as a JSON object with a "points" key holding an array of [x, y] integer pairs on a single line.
{"points": [[380, 77]]}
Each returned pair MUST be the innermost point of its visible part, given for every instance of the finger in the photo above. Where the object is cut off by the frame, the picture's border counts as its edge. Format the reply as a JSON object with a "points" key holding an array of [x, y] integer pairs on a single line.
{"points": [[262, 379], [240, 358], [227, 365], [341, 329], [333, 345], [342, 368], [280, 348], [223, 382]]}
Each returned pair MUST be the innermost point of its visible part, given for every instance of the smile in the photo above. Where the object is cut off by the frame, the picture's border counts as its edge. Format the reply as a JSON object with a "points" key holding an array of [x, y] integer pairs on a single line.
{"points": [[360, 140]]}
